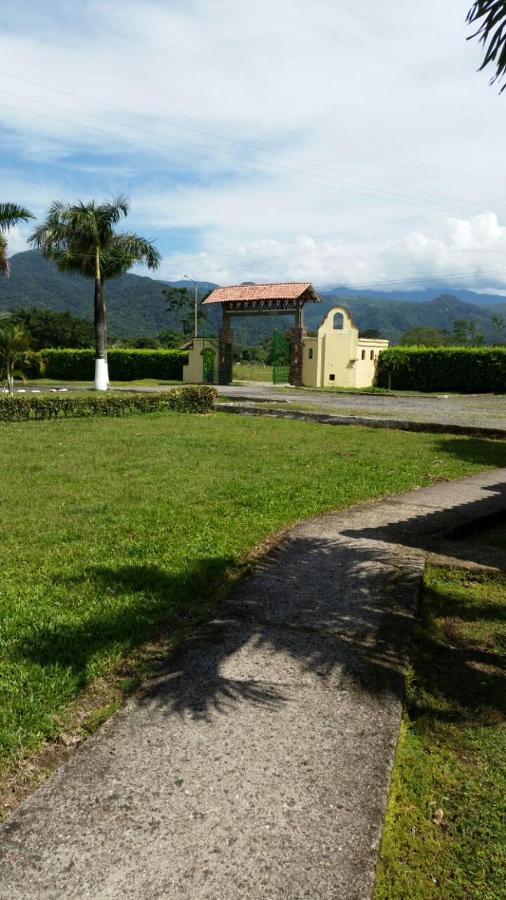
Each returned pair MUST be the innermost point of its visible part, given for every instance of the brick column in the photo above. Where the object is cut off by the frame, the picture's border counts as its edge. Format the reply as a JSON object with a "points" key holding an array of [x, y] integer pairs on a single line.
{"points": [[297, 336], [225, 340]]}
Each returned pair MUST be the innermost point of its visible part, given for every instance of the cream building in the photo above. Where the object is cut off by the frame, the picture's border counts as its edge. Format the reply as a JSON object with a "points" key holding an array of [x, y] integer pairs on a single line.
{"points": [[338, 356]]}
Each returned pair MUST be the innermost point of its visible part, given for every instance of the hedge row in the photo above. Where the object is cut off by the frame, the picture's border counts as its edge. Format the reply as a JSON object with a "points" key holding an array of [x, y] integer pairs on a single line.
{"points": [[194, 399], [124, 365], [466, 370]]}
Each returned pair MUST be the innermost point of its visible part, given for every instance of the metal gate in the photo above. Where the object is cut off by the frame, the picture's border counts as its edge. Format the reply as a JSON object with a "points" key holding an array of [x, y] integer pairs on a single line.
{"points": [[209, 351], [280, 358]]}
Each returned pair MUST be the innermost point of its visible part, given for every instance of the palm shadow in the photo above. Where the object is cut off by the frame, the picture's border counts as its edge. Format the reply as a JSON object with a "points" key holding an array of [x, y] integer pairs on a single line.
{"points": [[331, 610], [342, 639]]}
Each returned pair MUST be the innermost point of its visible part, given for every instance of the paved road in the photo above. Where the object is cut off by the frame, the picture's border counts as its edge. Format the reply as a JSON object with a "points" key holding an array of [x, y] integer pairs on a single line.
{"points": [[479, 410], [257, 766]]}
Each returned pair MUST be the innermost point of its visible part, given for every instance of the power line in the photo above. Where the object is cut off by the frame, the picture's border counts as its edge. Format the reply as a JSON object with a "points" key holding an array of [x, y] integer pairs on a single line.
{"points": [[269, 169], [202, 132]]}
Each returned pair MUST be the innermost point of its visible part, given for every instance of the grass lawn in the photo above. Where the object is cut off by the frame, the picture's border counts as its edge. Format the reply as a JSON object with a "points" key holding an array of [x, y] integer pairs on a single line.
{"points": [[252, 372], [112, 531], [445, 833]]}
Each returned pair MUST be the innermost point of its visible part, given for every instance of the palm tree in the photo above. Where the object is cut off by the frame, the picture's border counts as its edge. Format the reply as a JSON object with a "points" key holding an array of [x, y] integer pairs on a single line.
{"points": [[14, 344], [10, 215], [490, 15], [81, 238]]}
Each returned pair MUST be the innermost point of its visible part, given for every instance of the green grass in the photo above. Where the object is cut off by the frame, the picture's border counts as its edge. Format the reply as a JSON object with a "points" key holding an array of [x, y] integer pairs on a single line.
{"points": [[252, 372], [452, 750], [112, 529]]}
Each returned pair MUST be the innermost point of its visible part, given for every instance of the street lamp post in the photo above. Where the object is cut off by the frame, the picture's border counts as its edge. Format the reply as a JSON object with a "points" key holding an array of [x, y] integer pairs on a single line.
{"points": [[196, 305]]}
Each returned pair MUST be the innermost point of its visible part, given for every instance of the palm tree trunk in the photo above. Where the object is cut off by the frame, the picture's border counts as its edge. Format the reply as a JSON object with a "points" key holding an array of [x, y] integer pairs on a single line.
{"points": [[101, 367]]}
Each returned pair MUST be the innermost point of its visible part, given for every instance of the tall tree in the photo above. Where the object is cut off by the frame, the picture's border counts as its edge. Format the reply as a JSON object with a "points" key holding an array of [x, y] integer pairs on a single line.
{"points": [[81, 238], [182, 303], [14, 345], [490, 16], [48, 328], [10, 215]]}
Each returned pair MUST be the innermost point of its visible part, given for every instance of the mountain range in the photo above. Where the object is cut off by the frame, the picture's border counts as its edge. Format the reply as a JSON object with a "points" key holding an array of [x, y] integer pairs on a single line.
{"points": [[136, 306]]}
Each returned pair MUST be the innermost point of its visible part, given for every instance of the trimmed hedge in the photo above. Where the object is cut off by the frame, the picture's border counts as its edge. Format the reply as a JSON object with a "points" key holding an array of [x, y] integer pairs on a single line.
{"points": [[124, 365], [465, 370], [191, 399]]}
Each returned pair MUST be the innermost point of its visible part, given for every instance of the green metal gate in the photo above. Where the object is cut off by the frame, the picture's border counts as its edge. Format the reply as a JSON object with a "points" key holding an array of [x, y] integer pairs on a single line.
{"points": [[280, 358], [209, 351]]}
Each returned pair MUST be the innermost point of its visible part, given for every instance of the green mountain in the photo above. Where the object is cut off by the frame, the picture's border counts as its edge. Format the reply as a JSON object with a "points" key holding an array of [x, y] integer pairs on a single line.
{"points": [[136, 307]]}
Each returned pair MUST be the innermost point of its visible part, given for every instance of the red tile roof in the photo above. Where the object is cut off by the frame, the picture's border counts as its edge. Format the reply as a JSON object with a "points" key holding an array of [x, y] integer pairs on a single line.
{"points": [[288, 290]]}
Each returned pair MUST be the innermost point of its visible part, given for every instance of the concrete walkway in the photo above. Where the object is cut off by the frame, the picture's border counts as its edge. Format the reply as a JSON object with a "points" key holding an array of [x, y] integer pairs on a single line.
{"points": [[257, 766]]}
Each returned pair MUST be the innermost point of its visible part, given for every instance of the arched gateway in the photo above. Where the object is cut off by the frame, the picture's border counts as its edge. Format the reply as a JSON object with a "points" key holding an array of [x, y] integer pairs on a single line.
{"points": [[287, 298]]}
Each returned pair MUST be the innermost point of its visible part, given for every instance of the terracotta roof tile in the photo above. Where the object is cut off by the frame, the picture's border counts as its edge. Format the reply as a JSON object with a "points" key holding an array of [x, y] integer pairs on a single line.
{"points": [[290, 290]]}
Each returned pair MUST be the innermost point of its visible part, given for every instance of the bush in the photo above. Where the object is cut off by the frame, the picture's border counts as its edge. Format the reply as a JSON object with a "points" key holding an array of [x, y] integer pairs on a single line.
{"points": [[124, 364], [466, 370], [197, 399]]}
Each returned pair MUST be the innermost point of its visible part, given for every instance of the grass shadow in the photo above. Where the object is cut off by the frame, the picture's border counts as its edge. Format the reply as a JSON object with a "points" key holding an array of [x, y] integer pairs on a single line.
{"points": [[456, 676]]}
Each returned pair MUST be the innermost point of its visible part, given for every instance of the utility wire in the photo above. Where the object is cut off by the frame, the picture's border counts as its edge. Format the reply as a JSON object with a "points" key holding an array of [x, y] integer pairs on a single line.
{"points": [[260, 165], [207, 134]]}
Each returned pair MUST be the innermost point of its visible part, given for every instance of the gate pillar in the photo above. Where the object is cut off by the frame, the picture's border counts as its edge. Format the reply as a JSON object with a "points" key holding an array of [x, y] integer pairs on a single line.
{"points": [[225, 339], [297, 336]]}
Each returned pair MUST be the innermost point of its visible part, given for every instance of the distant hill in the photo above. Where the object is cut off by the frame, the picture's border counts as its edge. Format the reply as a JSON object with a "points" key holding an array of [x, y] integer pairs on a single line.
{"points": [[472, 297], [136, 307]]}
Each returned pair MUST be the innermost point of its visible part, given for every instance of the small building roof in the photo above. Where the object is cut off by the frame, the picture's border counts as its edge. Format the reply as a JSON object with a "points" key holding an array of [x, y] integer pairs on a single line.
{"points": [[252, 293]]}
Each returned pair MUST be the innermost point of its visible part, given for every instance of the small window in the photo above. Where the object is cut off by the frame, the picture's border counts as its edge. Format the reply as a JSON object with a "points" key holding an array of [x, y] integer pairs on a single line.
{"points": [[332, 377], [372, 354], [338, 324], [363, 354], [310, 354]]}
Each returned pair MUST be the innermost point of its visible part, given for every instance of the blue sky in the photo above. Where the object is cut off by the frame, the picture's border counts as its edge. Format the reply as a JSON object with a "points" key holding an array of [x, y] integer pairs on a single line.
{"points": [[333, 141]]}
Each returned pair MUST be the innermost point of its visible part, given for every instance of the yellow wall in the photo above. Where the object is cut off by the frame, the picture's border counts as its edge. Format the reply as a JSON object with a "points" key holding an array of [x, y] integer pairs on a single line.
{"points": [[310, 361], [337, 354], [365, 368], [193, 372]]}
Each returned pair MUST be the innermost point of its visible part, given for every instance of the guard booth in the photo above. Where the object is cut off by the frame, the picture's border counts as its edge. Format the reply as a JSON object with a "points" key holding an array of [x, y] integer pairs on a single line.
{"points": [[280, 298], [203, 357]]}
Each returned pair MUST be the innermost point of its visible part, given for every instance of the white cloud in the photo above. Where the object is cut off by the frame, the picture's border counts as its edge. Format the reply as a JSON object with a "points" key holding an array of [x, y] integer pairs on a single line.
{"points": [[464, 253], [385, 145]]}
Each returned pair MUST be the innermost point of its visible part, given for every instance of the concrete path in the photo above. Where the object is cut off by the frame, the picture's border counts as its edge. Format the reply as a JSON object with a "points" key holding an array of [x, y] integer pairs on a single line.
{"points": [[257, 766]]}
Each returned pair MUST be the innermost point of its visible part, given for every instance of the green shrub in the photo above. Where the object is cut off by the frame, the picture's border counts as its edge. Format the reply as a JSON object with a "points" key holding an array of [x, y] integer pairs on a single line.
{"points": [[124, 364], [34, 366], [19, 408], [466, 370]]}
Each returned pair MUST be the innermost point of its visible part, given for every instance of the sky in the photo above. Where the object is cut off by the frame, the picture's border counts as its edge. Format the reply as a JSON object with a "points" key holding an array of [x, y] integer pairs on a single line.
{"points": [[337, 142]]}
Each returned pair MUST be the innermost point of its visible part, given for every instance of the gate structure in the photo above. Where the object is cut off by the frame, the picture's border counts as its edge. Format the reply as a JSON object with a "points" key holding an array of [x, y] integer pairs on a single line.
{"points": [[209, 353], [287, 298], [281, 353]]}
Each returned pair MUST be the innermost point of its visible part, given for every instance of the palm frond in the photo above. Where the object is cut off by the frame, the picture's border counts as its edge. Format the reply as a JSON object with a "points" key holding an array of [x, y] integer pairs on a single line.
{"points": [[491, 16], [137, 249], [11, 214]]}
